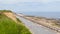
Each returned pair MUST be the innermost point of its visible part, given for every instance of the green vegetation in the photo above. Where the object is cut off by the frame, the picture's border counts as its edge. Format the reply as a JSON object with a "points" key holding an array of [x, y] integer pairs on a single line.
{"points": [[19, 20], [5, 11], [56, 23], [8, 26]]}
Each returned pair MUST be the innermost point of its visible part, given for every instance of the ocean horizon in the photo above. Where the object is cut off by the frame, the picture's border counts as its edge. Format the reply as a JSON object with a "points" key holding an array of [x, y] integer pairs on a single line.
{"points": [[43, 14]]}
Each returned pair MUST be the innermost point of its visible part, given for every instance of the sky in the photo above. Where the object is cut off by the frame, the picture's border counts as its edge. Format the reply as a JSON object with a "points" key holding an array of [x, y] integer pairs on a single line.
{"points": [[30, 5]]}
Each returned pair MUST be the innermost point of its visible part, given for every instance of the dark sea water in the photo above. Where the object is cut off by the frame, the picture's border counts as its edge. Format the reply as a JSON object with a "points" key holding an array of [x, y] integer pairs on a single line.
{"points": [[43, 14]]}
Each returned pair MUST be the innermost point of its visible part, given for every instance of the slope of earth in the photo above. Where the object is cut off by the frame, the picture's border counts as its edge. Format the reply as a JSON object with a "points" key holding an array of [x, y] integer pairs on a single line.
{"points": [[9, 24]]}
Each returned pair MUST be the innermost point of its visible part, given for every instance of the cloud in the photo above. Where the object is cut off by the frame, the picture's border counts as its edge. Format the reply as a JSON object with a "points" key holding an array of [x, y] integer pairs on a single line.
{"points": [[8, 1], [31, 5], [18, 1]]}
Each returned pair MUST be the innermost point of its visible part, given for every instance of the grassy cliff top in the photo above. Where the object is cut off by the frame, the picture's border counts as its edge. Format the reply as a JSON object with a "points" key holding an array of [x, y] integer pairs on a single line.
{"points": [[5, 11], [9, 26]]}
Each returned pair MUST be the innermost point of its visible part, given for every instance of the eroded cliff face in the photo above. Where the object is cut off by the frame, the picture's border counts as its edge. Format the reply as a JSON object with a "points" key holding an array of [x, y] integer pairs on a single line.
{"points": [[11, 15], [9, 19]]}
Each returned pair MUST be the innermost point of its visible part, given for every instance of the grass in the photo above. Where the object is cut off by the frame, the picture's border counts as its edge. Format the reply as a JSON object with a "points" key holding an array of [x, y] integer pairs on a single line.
{"points": [[8, 26], [55, 24], [19, 20], [5, 11]]}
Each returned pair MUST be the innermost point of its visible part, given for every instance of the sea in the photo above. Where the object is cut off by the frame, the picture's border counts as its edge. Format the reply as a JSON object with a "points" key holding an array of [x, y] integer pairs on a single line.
{"points": [[43, 14]]}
